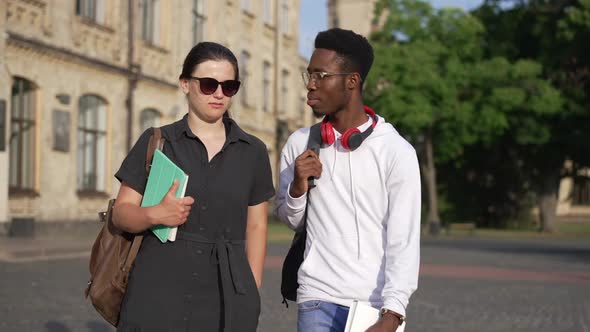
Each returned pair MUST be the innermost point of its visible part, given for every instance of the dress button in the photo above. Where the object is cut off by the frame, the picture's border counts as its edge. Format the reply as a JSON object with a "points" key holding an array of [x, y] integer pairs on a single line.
{"points": [[227, 230], [202, 229], [203, 207], [199, 251], [195, 275]]}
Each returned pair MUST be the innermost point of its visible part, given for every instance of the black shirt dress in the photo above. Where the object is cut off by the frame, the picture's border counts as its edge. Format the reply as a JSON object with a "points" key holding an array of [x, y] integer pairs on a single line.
{"points": [[202, 281]]}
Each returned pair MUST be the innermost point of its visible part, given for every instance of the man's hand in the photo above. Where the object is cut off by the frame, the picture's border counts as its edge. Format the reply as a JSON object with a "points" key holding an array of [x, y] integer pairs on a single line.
{"points": [[387, 323], [306, 165], [171, 211]]}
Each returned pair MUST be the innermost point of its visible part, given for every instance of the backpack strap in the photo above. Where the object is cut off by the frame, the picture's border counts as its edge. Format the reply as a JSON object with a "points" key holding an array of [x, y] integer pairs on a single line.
{"points": [[314, 142], [315, 137], [156, 142], [294, 257]]}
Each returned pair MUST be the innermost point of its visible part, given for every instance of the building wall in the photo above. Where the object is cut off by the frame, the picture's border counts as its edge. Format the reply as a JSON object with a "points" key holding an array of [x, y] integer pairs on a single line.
{"points": [[66, 55], [352, 15], [4, 103]]}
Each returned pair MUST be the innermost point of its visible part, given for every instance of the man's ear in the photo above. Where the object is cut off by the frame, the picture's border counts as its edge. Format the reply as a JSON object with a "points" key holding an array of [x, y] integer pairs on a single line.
{"points": [[354, 80]]}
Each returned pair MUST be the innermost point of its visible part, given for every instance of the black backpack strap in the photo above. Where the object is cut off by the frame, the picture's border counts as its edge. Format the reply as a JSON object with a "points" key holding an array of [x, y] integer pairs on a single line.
{"points": [[294, 257], [315, 137], [314, 142]]}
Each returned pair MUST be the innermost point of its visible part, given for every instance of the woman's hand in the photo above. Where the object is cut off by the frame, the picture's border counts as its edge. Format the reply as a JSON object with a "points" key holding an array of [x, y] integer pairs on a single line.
{"points": [[171, 211]]}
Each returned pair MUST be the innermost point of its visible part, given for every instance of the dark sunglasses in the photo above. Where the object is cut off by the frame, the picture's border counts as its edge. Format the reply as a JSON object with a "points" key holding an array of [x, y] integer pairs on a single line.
{"points": [[209, 85]]}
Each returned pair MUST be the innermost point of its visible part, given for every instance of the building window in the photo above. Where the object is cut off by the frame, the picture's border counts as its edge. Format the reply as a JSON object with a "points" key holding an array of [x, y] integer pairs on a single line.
{"points": [[198, 21], [245, 73], [581, 191], [285, 91], [22, 135], [148, 118], [285, 16], [335, 22], [149, 11], [92, 144], [246, 5], [93, 10], [267, 12], [266, 72]]}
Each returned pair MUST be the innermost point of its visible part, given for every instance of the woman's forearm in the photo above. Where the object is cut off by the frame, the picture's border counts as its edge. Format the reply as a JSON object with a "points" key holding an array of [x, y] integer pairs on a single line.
{"points": [[131, 217], [256, 234], [256, 250]]}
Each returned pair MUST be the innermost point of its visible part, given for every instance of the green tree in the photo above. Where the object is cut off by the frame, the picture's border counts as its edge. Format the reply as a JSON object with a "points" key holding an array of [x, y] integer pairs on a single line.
{"points": [[555, 34], [431, 80]]}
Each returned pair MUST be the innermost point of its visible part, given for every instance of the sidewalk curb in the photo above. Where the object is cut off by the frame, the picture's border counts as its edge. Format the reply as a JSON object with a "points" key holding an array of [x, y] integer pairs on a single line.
{"points": [[44, 253]]}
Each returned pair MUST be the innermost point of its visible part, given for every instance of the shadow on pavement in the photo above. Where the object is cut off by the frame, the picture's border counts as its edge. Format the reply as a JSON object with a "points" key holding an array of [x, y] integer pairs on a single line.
{"points": [[98, 326], [562, 251], [93, 326], [53, 326]]}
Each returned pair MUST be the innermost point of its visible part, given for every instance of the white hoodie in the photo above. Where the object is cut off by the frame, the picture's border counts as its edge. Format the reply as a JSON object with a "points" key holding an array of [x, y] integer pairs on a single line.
{"points": [[363, 224]]}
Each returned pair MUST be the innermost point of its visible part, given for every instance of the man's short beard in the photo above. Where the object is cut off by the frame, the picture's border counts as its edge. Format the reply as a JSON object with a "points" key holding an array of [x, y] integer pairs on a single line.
{"points": [[317, 115]]}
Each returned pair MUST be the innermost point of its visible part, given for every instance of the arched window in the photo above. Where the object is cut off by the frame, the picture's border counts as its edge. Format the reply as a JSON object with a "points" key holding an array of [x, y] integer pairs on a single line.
{"points": [[149, 11], [22, 135], [92, 124], [198, 20], [148, 118]]}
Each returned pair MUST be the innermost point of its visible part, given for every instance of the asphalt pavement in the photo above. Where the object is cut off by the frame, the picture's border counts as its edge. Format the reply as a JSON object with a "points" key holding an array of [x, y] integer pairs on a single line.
{"points": [[467, 284]]}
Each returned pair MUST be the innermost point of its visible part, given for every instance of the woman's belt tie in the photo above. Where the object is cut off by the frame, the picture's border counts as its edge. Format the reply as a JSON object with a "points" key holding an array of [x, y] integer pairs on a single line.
{"points": [[223, 253]]}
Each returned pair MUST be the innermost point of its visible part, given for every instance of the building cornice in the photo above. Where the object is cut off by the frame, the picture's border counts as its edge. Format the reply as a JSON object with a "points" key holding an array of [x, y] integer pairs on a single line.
{"points": [[63, 53]]}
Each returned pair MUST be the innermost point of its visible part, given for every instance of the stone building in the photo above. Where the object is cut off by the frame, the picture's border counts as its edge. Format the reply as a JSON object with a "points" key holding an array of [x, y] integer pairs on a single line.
{"points": [[81, 79]]}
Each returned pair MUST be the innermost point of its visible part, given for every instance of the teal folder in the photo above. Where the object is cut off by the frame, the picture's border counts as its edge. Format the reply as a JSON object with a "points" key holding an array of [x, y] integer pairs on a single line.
{"points": [[162, 174]]}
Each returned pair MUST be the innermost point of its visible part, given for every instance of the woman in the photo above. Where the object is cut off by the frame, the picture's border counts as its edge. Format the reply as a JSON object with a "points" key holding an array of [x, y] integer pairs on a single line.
{"points": [[208, 279]]}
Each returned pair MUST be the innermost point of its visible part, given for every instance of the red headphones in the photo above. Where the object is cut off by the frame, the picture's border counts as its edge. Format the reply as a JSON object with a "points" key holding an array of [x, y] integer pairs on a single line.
{"points": [[352, 137]]}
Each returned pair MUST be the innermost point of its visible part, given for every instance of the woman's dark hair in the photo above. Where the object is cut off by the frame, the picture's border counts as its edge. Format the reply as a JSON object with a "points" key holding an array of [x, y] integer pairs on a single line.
{"points": [[354, 50], [205, 51]]}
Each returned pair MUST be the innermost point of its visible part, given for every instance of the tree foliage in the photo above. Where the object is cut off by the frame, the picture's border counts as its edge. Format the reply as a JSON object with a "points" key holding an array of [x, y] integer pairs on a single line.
{"points": [[436, 81]]}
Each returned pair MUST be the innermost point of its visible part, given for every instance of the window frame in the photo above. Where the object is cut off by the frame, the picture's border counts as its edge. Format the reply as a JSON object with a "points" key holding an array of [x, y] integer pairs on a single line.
{"points": [[149, 21], [23, 180], [153, 114], [98, 135], [198, 23], [266, 86], [245, 59], [92, 10]]}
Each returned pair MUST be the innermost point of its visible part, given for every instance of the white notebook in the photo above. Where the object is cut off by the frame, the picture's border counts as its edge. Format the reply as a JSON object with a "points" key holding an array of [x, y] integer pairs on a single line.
{"points": [[361, 316]]}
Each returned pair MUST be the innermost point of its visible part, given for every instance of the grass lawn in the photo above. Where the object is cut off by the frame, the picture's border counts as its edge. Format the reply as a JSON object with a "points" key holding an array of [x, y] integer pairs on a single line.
{"points": [[279, 232], [565, 230]]}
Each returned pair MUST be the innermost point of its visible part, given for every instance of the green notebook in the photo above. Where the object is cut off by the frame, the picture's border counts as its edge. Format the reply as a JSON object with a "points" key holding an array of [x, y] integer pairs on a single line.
{"points": [[162, 174]]}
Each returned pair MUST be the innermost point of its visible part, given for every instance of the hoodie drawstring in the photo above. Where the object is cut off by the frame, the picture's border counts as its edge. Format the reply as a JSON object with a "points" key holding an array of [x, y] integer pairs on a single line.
{"points": [[354, 205]]}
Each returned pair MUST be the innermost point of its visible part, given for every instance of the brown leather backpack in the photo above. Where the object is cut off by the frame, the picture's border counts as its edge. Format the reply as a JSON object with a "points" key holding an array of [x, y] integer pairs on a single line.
{"points": [[113, 254]]}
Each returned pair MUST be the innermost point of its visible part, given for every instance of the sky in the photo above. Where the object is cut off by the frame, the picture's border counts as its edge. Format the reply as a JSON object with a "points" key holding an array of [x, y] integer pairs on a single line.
{"points": [[314, 18]]}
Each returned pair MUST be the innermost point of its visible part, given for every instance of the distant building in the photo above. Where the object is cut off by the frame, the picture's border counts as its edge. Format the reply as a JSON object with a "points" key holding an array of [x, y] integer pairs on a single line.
{"points": [[81, 79], [574, 193], [351, 15]]}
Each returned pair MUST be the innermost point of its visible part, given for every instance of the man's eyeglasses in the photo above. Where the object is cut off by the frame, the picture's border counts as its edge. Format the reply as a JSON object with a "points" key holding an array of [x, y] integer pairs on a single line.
{"points": [[318, 76], [209, 85]]}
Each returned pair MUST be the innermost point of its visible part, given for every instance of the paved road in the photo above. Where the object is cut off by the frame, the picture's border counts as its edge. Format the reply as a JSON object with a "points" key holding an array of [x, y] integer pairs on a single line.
{"points": [[466, 285]]}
